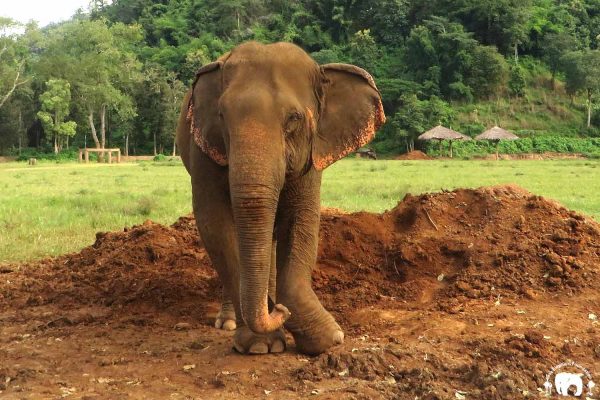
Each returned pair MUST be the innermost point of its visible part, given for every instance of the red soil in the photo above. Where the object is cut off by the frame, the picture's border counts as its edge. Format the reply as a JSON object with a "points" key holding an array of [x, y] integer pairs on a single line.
{"points": [[414, 155], [480, 291]]}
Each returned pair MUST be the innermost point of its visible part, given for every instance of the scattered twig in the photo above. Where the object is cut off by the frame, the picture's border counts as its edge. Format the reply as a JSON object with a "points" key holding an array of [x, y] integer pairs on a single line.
{"points": [[396, 268], [430, 220]]}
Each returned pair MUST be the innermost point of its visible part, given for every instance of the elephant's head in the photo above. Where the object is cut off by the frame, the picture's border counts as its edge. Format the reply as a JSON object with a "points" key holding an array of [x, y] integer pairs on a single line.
{"points": [[269, 114]]}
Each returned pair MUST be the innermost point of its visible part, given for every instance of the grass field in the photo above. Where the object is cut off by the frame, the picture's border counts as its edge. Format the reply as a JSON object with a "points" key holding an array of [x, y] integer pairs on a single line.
{"points": [[51, 209]]}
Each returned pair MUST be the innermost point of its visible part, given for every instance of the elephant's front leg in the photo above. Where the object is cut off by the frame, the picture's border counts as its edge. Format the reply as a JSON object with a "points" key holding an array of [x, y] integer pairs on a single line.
{"points": [[214, 218], [313, 327]]}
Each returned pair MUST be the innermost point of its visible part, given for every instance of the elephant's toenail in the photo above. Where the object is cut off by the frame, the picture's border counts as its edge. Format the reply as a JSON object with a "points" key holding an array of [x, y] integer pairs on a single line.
{"points": [[259, 348], [338, 337], [229, 325], [239, 348], [218, 323], [277, 347]]}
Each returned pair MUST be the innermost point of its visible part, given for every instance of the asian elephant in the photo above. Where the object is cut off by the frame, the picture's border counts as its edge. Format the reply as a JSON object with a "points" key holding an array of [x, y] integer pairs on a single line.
{"points": [[255, 133]]}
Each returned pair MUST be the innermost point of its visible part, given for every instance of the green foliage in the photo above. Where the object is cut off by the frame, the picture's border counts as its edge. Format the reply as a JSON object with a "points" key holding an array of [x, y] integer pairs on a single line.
{"points": [[55, 103], [413, 117], [536, 144], [582, 71], [516, 82], [62, 156], [130, 61], [446, 59]]}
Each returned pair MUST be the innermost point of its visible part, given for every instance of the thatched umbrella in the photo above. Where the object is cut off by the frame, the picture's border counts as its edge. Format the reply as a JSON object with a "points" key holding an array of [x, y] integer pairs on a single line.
{"points": [[442, 133], [496, 134]]}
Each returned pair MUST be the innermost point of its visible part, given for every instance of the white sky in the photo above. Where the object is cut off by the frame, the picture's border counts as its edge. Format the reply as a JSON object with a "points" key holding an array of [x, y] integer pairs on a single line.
{"points": [[42, 11]]}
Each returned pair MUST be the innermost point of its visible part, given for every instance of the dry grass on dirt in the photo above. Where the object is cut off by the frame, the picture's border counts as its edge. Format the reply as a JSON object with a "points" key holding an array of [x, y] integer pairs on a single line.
{"points": [[473, 293]]}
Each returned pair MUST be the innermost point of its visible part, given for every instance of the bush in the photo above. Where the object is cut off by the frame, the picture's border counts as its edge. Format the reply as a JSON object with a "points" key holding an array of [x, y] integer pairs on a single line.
{"points": [[541, 144], [65, 155]]}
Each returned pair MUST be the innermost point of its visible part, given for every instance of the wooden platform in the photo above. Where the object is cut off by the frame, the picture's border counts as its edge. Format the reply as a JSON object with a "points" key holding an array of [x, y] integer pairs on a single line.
{"points": [[85, 154]]}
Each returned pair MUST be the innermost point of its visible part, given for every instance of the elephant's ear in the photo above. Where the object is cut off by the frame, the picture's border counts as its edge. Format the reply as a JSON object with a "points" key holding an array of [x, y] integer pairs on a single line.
{"points": [[351, 113], [203, 112]]}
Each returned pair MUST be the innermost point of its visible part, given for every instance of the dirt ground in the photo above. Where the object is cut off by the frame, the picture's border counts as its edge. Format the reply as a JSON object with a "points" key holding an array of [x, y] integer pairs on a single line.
{"points": [[414, 155], [471, 294]]}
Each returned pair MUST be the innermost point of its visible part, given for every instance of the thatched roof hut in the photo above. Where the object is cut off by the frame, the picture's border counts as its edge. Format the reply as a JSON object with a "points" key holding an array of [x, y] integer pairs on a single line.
{"points": [[442, 133], [496, 134]]}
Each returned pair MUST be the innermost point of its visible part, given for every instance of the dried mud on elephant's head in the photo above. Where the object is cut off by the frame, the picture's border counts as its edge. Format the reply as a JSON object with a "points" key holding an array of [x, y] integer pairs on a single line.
{"points": [[463, 289]]}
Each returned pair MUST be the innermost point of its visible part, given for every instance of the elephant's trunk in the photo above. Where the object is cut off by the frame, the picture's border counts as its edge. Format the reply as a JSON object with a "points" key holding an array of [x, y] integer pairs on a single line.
{"points": [[255, 183]]}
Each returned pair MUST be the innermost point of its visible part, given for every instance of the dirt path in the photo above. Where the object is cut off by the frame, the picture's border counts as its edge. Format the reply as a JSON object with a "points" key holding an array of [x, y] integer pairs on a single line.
{"points": [[473, 294]]}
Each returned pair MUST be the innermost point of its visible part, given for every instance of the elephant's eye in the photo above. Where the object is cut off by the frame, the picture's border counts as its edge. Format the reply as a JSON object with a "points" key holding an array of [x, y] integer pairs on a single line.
{"points": [[295, 116], [292, 123]]}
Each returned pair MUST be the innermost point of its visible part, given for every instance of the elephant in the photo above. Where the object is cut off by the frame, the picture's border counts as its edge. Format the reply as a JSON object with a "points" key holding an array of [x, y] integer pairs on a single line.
{"points": [[564, 380], [256, 130]]}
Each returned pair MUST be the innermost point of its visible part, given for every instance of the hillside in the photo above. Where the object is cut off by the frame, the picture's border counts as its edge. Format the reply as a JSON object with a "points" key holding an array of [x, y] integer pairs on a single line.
{"points": [[468, 64]]}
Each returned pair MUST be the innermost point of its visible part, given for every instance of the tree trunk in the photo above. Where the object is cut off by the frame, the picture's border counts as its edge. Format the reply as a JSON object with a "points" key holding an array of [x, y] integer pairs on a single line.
{"points": [[20, 131], [154, 139], [127, 145], [174, 147], [93, 129], [55, 143], [103, 125], [589, 104], [516, 53]]}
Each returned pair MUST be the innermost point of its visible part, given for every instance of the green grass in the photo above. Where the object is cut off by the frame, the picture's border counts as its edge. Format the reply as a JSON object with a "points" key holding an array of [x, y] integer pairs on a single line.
{"points": [[53, 209], [376, 186]]}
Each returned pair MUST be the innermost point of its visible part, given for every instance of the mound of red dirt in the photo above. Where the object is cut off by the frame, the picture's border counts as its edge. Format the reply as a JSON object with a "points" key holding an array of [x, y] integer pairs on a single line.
{"points": [[414, 155], [499, 241], [448, 259]]}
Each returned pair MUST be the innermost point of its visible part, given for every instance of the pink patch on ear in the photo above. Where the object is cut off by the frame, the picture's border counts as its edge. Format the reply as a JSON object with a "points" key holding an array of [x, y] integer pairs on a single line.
{"points": [[366, 133], [201, 142]]}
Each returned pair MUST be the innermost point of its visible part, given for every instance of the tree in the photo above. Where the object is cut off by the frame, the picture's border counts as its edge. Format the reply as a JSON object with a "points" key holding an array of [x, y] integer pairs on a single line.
{"points": [[364, 51], [503, 23], [12, 60], [555, 46], [516, 82], [387, 19], [582, 72], [448, 61], [100, 64], [55, 108], [488, 72], [415, 116]]}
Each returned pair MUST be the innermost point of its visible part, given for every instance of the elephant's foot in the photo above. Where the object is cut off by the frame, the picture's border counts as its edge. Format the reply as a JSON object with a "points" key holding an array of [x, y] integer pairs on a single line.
{"points": [[226, 318], [247, 342], [316, 338]]}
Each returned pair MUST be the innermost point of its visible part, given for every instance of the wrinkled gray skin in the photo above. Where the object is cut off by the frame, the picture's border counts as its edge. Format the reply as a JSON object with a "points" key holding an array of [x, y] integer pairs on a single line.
{"points": [[264, 121]]}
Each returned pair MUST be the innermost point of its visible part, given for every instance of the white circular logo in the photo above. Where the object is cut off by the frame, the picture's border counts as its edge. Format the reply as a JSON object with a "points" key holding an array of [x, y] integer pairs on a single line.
{"points": [[570, 380]]}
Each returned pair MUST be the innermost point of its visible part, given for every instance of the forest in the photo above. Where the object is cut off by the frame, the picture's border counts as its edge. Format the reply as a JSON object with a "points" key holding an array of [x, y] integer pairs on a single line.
{"points": [[115, 73]]}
